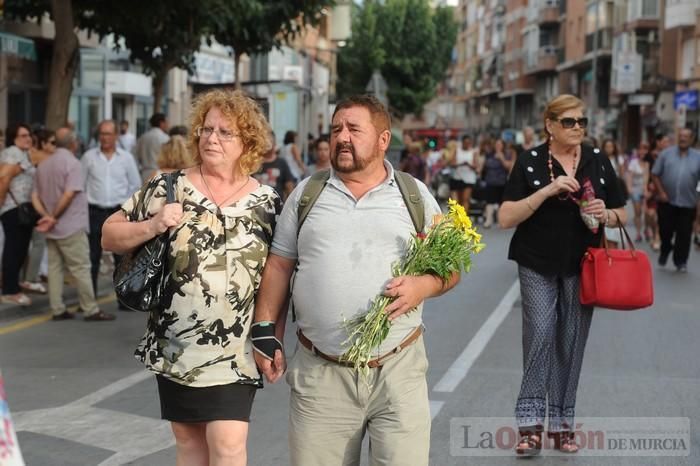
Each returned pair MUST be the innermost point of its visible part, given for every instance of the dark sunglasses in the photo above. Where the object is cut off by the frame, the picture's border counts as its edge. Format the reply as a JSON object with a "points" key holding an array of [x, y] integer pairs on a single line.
{"points": [[52, 141], [568, 123]]}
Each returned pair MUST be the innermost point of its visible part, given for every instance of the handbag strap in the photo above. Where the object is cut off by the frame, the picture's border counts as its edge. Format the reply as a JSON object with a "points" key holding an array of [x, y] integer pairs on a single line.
{"points": [[623, 235], [169, 188], [9, 191]]}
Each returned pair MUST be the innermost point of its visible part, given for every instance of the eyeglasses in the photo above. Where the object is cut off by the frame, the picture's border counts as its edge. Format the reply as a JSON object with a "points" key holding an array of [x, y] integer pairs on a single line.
{"points": [[568, 123], [222, 134], [51, 141], [24, 135]]}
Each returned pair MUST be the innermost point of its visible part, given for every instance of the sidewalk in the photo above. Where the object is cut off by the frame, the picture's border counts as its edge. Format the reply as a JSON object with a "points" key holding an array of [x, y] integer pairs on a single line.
{"points": [[40, 302]]}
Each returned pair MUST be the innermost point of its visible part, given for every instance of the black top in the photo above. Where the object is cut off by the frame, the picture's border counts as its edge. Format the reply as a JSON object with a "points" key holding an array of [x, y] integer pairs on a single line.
{"points": [[554, 239]]}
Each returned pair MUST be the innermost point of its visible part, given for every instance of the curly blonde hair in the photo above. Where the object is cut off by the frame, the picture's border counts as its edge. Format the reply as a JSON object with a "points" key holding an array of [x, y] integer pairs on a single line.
{"points": [[175, 154], [239, 108]]}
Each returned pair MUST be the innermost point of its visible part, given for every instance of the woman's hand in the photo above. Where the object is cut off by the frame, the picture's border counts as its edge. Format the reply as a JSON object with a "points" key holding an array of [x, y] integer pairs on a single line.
{"points": [[596, 207], [169, 216], [563, 184]]}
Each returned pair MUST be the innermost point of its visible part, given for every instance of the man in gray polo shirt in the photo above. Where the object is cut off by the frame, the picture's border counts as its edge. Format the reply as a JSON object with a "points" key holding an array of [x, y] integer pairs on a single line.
{"points": [[676, 174], [358, 227]]}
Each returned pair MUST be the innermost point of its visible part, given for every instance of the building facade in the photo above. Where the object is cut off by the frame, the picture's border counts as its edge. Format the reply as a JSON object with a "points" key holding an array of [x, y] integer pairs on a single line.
{"points": [[635, 64]]}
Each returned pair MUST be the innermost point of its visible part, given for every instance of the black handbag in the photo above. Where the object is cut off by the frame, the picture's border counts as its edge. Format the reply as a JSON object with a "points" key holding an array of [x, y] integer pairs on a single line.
{"points": [[27, 216], [141, 275]]}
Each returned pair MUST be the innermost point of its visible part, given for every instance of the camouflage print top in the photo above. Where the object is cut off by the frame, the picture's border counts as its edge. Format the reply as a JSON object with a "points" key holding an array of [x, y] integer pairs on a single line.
{"points": [[201, 339]]}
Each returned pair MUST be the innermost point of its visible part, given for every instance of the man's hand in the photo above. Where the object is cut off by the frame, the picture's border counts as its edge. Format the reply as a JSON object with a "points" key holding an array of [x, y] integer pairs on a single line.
{"points": [[409, 292], [663, 197], [45, 224], [274, 369]]}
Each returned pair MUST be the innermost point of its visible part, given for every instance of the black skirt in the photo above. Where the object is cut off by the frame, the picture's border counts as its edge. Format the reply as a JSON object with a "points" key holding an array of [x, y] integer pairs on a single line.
{"points": [[182, 403]]}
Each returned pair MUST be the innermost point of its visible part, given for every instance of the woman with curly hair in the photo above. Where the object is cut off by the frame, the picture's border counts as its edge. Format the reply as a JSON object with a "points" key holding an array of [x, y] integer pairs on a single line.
{"points": [[220, 229]]}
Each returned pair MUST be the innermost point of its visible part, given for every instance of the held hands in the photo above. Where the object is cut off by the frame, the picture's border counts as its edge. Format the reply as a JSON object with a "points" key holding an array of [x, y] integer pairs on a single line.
{"points": [[409, 292], [563, 184], [268, 350], [169, 216], [272, 369]]}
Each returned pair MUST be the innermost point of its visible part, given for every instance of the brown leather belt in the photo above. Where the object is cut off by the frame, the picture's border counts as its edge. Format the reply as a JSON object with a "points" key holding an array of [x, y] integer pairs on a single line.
{"points": [[411, 338]]}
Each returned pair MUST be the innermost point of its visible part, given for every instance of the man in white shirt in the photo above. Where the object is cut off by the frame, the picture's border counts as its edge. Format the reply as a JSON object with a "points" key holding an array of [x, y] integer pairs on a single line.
{"points": [[111, 177], [127, 140], [149, 144]]}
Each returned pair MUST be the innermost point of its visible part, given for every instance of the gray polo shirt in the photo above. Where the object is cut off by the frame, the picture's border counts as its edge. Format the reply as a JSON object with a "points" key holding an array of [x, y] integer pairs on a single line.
{"points": [[679, 175], [346, 248]]}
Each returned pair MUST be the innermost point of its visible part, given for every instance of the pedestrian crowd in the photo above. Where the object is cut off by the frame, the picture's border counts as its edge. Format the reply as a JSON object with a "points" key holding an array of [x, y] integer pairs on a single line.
{"points": [[254, 233], [663, 196]]}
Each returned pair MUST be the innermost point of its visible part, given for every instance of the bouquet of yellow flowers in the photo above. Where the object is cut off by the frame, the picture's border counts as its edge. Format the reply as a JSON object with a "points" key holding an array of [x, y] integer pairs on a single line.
{"points": [[446, 248]]}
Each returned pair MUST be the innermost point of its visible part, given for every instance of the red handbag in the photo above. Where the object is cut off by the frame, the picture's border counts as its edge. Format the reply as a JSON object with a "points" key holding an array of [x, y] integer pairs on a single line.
{"points": [[618, 279]]}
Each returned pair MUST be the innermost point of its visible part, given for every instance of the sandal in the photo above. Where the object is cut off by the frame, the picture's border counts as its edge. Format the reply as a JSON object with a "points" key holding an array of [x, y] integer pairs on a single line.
{"points": [[564, 441], [34, 287], [530, 444], [19, 298]]}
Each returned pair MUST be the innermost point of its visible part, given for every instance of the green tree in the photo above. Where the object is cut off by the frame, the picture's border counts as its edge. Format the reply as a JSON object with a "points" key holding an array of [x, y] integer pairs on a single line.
{"points": [[160, 35], [408, 41], [364, 53], [257, 26]]}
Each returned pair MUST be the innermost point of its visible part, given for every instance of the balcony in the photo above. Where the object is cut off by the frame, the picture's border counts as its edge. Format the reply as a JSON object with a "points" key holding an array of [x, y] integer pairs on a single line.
{"points": [[543, 60], [643, 15], [548, 13], [604, 40], [680, 13]]}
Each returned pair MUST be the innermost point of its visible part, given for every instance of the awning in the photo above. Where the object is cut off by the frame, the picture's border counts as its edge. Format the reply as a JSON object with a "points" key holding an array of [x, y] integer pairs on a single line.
{"points": [[16, 45]]}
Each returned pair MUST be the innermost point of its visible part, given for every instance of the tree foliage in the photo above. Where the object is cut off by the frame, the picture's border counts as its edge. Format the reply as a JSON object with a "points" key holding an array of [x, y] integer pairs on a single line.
{"points": [[257, 26], [408, 41], [162, 35]]}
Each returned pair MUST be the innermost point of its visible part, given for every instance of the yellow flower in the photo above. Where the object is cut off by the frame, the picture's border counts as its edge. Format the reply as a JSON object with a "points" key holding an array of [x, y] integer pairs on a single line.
{"points": [[459, 216]]}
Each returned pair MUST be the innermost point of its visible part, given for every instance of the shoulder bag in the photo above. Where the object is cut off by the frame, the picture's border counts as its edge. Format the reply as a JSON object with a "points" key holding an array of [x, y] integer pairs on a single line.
{"points": [[140, 276], [27, 216], [619, 279]]}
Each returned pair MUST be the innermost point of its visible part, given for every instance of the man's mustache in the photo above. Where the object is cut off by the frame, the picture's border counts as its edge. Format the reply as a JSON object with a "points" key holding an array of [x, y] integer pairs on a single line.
{"points": [[341, 146]]}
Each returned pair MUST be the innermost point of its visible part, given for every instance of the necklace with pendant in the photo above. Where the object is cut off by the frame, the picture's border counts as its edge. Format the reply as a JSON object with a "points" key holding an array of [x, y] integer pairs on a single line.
{"points": [[211, 195], [550, 164], [551, 170]]}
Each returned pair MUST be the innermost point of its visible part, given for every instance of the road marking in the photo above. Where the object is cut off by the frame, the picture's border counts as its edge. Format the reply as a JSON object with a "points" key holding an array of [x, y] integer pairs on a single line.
{"points": [[82, 422], [40, 319], [112, 389], [460, 367], [25, 324], [435, 407]]}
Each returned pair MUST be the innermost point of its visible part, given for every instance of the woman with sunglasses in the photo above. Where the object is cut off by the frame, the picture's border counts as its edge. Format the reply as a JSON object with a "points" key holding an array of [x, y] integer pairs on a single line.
{"points": [[540, 200]]}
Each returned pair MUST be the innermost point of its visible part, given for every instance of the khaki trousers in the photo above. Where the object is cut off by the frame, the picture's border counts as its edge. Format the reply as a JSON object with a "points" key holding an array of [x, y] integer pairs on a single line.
{"points": [[73, 253], [333, 406]]}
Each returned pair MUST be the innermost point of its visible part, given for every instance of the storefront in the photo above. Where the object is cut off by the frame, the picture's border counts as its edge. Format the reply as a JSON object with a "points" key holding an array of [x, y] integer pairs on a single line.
{"points": [[22, 90]]}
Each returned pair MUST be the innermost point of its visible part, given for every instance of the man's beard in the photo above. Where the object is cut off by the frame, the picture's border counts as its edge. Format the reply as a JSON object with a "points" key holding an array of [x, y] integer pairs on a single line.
{"points": [[356, 164]]}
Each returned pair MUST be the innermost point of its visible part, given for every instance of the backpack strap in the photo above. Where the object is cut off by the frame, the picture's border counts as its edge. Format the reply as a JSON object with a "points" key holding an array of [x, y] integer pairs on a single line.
{"points": [[412, 198], [310, 194]]}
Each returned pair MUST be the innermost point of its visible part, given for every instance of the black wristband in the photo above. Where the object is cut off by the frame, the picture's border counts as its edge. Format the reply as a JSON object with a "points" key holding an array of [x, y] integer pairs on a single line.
{"points": [[262, 334]]}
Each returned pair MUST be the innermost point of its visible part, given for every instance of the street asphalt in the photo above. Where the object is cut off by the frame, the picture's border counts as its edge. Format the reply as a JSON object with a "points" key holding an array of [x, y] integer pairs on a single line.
{"points": [[78, 397]]}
